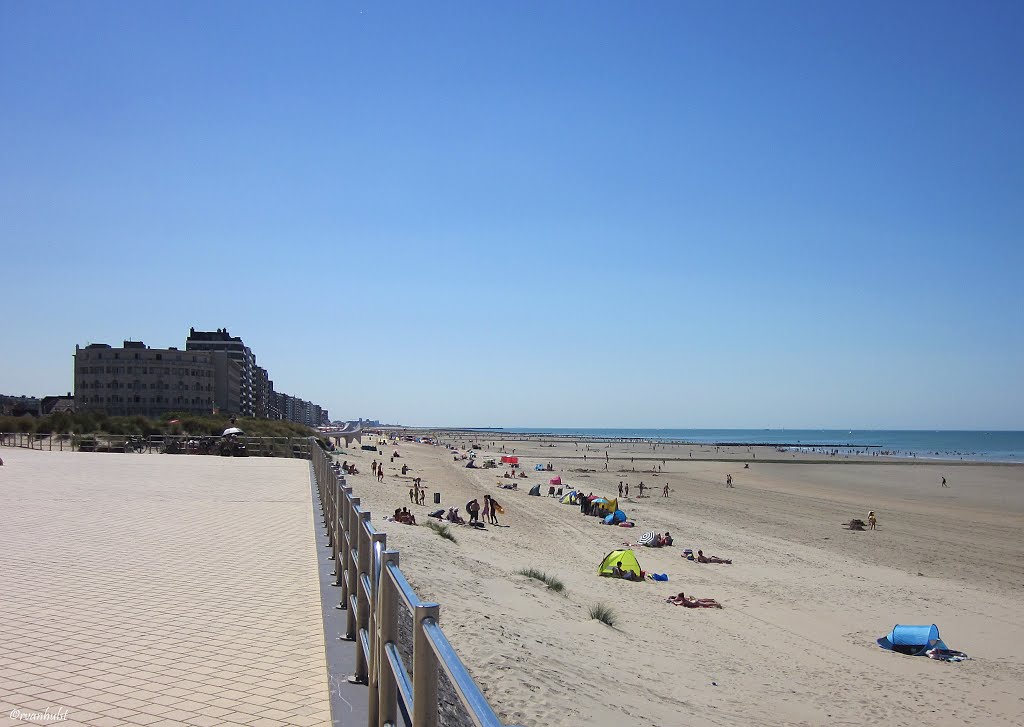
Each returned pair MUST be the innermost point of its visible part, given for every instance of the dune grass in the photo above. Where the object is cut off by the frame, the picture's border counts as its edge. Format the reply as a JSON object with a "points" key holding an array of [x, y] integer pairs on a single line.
{"points": [[604, 614], [550, 581], [443, 530]]}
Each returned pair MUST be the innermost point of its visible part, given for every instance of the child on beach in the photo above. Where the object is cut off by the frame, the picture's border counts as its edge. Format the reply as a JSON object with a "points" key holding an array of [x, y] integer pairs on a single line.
{"points": [[871, 520]]}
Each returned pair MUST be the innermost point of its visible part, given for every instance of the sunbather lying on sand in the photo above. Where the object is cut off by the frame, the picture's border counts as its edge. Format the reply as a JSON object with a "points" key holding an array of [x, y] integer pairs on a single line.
{"points": [[701, 558], [691, 602]]}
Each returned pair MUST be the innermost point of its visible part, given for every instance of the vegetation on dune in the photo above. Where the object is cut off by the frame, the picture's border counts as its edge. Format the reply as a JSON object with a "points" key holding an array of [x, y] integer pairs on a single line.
{"points": [[550, 581], [184, 424], [443, 530], [604, 614]]}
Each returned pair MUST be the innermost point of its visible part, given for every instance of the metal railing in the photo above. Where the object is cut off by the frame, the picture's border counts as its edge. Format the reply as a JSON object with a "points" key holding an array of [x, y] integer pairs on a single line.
{"points": [[372, 590], [296, 447]]}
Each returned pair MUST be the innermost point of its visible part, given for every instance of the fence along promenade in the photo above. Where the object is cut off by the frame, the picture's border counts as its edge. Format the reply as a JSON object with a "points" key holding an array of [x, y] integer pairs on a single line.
{"points": [[296, 447], [372, 590]]}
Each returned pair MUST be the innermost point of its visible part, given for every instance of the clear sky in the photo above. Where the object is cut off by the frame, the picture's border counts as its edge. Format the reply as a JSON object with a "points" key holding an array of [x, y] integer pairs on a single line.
{"points": [[659, 214]]}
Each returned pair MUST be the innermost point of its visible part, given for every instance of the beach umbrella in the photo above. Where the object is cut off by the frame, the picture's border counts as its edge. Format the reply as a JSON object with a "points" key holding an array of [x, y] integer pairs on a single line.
{"points": [[598, 500], [646, 538], [232, 430]]}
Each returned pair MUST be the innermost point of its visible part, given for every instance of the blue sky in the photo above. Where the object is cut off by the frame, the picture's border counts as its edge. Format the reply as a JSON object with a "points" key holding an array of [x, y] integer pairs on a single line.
{"points": [[661, 214]]}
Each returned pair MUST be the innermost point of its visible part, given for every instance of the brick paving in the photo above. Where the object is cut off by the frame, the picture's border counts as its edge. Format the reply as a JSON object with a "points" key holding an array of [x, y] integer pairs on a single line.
{"points": [[159, 590]]}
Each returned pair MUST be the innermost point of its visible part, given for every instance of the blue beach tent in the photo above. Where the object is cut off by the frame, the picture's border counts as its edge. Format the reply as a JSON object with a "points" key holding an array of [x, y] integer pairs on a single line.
{"points": [[913, 640], [615, 518]]}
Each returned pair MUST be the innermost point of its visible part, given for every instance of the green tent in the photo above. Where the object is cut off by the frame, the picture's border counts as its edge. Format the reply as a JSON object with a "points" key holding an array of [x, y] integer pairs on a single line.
{"points": [[626, 557]]}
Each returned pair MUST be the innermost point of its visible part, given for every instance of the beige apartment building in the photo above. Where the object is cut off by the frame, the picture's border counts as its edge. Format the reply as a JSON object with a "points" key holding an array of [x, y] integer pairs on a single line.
{"points": [[136, 379]]}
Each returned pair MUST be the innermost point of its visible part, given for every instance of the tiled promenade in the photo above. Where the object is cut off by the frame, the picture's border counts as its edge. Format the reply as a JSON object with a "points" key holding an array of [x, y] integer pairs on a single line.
{"points": [[159, 590]]}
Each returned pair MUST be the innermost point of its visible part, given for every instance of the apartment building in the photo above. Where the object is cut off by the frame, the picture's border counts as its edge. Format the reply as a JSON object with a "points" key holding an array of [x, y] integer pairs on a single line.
{"points": [[135, 379], [237, 351], [215, 374]]}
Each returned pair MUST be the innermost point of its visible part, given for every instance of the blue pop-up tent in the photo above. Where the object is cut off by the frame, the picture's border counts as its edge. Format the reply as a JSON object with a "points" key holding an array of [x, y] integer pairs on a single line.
{"points": [[913, 640], [615, 518]]}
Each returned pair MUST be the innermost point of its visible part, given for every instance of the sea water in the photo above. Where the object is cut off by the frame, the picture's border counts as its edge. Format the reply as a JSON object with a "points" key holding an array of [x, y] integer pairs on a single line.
{"points": [[994, 446]]}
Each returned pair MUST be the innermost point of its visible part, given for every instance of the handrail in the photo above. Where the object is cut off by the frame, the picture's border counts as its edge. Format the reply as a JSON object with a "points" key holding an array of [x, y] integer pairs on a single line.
{"points": [[373, 588]]}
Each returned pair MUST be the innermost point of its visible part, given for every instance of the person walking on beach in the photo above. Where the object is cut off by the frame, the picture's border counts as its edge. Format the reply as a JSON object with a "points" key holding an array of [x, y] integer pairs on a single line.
{"points": [[473, 508], [620, 488], [641, 487], [728, 480], [494, 509], [872, 520], [944, 481], [664, 491], [373, 468], [380, 472], [627, 489]]}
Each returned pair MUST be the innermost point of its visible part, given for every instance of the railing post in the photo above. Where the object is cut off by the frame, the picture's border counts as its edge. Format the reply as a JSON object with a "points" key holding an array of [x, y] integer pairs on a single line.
{"points": [[352, 569], [349, 541], [378, 543], [362, 597], [387, 619], [424, 668], [327, 490], [340, 547]]}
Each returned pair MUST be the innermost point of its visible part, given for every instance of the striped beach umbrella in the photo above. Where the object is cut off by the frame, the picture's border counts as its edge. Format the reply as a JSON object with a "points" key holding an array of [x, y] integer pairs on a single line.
{"points": [[646, 538]]}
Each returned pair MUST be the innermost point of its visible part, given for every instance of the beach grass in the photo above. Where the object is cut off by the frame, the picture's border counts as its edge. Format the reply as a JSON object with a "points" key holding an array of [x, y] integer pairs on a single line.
{"points": [[604, 613], [443, 530], [550, 581]]}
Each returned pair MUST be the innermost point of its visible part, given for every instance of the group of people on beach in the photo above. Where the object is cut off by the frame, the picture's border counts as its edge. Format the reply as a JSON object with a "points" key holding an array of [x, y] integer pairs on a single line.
{"points": [[402, 515], [417, 494], [624, 489]]}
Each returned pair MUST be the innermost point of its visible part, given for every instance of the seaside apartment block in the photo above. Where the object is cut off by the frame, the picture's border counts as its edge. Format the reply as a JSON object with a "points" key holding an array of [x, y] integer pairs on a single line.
{"points": [[135, 379], [216, 373], [236, 350]]}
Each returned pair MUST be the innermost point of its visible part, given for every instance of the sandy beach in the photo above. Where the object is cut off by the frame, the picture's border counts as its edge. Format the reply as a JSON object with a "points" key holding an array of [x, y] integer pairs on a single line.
{"points": [[803, 602]]}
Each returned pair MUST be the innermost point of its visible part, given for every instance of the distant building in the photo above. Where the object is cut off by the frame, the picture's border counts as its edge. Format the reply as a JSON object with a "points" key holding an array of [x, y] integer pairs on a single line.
{"points": [[237, 351], [216, 373], [135, 380], [264, 387], [54, 404], [20, 405]]}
